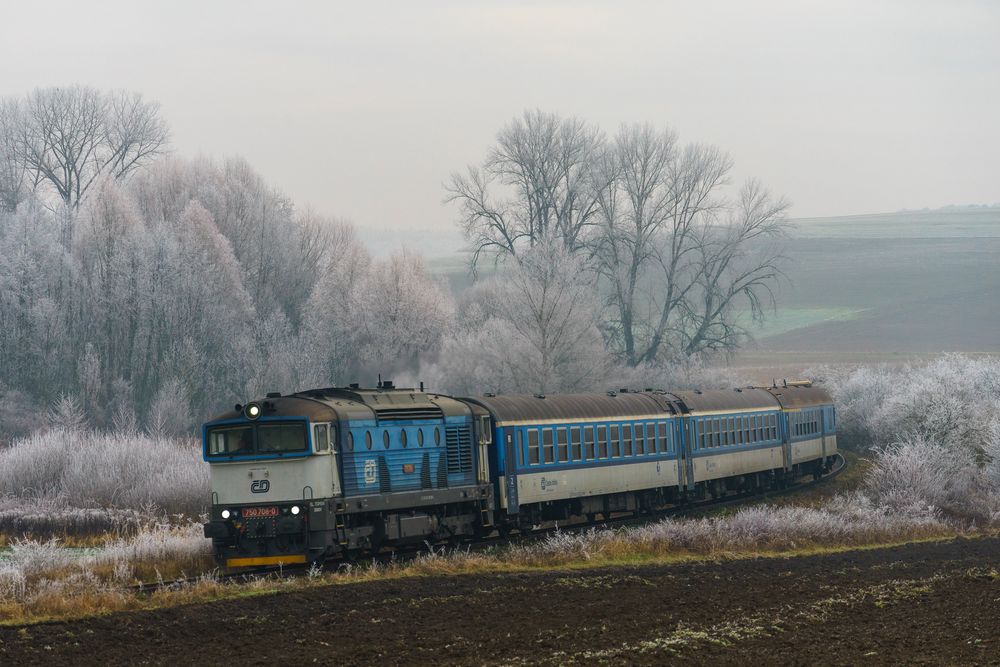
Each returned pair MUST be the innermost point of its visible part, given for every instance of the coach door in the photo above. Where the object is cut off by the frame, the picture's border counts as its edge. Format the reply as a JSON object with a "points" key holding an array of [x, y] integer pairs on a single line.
{"points": [[485, 439]]}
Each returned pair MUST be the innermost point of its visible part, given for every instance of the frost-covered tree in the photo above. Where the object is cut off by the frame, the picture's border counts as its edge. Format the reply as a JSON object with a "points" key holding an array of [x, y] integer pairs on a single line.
{"points": [[532, 328], [69, 138], [404, 312], [328, 337]]}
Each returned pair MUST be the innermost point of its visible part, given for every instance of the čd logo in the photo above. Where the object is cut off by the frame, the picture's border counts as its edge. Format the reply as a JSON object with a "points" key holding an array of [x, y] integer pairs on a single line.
{"points": [[260, 486]]}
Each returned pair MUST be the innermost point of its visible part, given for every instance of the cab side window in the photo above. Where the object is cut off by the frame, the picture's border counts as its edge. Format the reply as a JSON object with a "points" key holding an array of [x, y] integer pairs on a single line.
{"points": [[321, 437]]}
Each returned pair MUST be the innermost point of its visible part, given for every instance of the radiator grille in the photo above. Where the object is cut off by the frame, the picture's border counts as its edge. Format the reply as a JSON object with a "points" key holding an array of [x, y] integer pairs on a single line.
{"points": [[405, 414], [459, 441]]}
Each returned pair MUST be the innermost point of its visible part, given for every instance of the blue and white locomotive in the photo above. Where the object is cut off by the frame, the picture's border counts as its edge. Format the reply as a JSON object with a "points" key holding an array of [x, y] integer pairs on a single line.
{"points": [[340, 471]]}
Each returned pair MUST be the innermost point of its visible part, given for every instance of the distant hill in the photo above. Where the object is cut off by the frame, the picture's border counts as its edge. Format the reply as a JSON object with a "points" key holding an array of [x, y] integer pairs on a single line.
{"points": [[947, 222]]}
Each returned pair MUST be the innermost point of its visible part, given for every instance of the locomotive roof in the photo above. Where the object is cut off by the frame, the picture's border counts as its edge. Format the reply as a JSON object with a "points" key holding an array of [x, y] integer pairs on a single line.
{"points": [[800, 397], [567, 407], [358, 404], [729, 400]]}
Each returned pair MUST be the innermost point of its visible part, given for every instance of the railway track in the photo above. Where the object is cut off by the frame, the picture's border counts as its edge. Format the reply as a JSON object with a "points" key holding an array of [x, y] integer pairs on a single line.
{"points": [[399, 555]]}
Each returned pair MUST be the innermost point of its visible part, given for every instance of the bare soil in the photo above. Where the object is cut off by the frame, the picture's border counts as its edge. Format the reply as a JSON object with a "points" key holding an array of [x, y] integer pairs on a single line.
{"points": [[928, 603]]}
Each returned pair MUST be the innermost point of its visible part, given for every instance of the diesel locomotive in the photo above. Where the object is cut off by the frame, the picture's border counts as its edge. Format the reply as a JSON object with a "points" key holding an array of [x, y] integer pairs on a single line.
{"points": [[336, 472]]}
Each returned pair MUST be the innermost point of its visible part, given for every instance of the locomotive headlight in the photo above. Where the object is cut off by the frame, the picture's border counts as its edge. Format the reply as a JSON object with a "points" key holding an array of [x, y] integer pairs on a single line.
{"points": [[252, 411], [295, 509], [226, 514]]}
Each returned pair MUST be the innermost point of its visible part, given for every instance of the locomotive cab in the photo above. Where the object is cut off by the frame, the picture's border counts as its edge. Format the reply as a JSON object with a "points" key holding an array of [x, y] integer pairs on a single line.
{"points": [[335, 471], [270, 463]]}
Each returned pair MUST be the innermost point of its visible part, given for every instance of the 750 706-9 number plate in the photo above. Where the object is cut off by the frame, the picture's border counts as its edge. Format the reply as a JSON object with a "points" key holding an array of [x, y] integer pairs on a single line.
{"points": [[259, 512]]}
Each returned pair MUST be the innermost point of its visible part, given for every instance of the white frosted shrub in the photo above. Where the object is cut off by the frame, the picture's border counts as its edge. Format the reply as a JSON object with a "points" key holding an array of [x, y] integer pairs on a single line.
{"points": [[125, 471]]}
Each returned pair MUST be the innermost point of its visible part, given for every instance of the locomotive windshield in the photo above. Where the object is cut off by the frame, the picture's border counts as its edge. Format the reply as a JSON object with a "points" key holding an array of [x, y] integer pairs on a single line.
{"points": [[256, 439]]}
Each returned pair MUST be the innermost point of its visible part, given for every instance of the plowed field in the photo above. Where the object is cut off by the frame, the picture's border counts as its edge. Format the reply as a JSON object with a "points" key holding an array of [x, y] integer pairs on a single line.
{"points": [[931, 603]]}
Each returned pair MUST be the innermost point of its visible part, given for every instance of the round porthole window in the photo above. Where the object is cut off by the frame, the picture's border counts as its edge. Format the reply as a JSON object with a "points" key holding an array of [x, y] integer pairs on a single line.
{"points": [[368, 439], [420, 437], [385, 439], [437, 436], [350, 441], [402, 438]]}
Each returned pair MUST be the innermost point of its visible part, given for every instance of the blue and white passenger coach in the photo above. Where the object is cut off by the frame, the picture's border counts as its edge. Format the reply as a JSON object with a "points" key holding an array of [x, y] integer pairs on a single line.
{"points": [[337, 471]]}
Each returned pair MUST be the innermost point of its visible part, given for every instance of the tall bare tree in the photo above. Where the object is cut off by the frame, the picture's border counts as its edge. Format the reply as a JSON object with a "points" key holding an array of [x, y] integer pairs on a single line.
{"points": [[674, 255], [540, 181], [679, 264], [69, 137]]}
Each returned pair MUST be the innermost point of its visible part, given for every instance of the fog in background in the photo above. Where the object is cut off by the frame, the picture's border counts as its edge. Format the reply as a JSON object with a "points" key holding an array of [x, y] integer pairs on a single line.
{"points": [[363, 111]]}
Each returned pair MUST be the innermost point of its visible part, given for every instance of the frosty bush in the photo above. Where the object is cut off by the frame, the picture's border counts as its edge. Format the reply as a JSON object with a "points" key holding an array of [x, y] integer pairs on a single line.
{"points": [[933, 431], [953, 401], [848, 520], [113, 471]]}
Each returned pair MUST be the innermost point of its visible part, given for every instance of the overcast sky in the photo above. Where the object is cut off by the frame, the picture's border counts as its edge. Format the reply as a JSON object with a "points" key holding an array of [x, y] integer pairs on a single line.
{"points": [[362, 109]]}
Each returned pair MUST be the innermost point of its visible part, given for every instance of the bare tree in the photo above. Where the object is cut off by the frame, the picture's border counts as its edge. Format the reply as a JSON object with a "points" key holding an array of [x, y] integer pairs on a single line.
{"points": [[540, 181], [735, 267], [68, 138], [673, 255]]}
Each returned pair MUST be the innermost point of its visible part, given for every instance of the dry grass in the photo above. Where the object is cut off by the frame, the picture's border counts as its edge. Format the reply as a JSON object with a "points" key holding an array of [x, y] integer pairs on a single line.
{"points": [[43, 582]]}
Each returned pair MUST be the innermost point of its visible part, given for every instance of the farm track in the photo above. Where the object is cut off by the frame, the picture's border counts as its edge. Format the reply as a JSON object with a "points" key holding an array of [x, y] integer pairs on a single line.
{"points": [[923, 603], [245, 576]]}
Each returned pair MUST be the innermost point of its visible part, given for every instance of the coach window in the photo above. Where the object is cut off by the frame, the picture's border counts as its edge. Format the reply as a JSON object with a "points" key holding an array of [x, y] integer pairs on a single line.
{"points": [[650, 438], [615, 440], [627, 439], [588, 442], [640, 439], [368, 439], [661, 428], [561, 439], [547, 447], [576, 452], [602, 441], [402, 438], [533, 447]]}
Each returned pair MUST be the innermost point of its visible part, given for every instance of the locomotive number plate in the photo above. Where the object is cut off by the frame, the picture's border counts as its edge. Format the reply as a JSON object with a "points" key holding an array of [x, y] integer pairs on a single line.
{"points": [[259, 512]]}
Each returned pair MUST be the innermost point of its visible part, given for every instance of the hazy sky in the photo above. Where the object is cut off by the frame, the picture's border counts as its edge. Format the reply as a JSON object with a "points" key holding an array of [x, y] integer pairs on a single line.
{"points": [[362, 109]]}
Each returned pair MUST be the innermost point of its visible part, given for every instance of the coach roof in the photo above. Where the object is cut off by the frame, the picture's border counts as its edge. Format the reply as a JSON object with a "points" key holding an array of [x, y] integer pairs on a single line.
{"points": [[800, 397], [569, 407], [727, 400]]}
